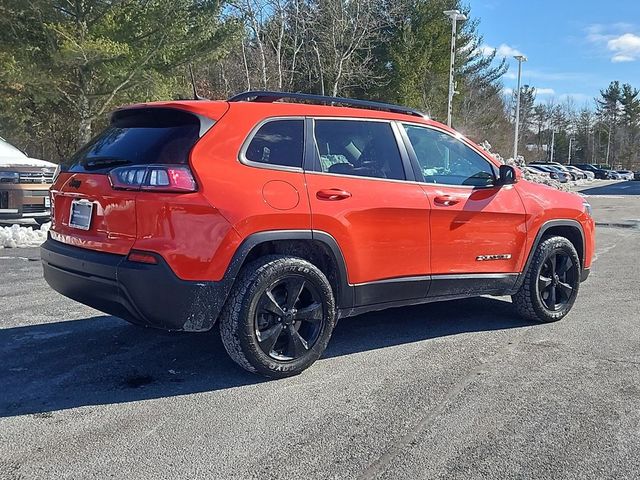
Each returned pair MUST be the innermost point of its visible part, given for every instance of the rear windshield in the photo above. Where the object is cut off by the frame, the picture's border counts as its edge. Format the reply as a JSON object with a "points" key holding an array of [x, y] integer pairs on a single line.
{"points": [[139, 137]]}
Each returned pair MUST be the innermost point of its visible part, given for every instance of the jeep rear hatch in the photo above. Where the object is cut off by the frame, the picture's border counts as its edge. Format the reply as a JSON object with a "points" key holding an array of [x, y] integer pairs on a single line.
{"points": [[144, 148]]}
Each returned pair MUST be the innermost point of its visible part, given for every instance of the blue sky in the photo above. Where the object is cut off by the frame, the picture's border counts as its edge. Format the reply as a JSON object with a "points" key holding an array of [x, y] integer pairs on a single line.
{"points": [[574, 47]]}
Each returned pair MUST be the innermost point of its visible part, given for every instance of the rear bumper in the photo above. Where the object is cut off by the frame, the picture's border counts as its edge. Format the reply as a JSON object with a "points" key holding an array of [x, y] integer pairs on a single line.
{"points": [[148, 295]]}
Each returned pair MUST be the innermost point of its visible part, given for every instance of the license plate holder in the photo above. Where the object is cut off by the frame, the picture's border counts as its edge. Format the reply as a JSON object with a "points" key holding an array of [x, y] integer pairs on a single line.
{"points": [[47, 202], [81, 213]]}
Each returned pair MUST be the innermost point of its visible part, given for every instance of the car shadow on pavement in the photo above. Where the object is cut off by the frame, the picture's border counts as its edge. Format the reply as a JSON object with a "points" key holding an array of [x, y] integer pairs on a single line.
{"points": [[422, 322], [103, 360]]}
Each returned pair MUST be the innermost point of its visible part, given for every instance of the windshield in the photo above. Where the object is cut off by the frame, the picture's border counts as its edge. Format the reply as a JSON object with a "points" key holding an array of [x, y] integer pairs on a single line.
{"points": [[140, 137]]}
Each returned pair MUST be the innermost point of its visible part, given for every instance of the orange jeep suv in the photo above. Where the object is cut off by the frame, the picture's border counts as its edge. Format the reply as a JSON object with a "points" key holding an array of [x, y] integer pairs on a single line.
{"points": [[275, 219]]}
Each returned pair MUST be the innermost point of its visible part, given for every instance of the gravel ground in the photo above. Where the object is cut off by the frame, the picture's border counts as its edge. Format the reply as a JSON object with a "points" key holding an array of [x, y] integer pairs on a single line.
{"points": [[462, 389]]}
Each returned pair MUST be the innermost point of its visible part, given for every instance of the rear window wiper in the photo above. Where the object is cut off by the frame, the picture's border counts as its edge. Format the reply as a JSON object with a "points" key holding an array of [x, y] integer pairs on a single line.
{"points": [[95, 163]]}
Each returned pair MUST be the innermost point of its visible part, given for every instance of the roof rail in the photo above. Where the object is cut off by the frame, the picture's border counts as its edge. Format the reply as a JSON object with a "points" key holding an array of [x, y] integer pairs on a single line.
{"points": [[270, 97]]}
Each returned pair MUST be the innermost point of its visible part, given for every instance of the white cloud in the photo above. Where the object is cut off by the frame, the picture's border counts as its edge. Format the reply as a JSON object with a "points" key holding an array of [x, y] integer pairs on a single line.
{"points": [[503, 50], [486, 50], [467, 47], [507, 91], [622, 58], [617, 40], [626, 47], [595, 33], [510, 76], [626, 42]]}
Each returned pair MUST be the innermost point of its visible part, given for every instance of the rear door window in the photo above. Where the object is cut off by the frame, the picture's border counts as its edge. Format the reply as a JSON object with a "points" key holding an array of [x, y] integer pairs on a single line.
{"points": [[358, 148], [140, 137], [279, 143]]}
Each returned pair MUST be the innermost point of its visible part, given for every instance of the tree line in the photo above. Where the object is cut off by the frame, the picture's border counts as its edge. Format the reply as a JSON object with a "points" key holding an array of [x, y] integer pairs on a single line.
{"points": [[65, 64], [606, 132]]}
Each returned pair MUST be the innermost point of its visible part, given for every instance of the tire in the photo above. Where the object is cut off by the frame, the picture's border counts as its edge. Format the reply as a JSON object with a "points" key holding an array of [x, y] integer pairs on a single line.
{"points": [[262, 321], [550, 287]]}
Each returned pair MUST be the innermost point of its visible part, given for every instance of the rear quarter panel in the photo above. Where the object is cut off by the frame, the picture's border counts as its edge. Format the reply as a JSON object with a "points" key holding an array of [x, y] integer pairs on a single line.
{"points": [[237, 191], [190, 234]]}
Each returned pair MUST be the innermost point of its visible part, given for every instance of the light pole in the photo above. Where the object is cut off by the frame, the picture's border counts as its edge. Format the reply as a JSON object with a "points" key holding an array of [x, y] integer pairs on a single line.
{"points": [[553, 143], [570, 145], [455, 16], [520, 59]]}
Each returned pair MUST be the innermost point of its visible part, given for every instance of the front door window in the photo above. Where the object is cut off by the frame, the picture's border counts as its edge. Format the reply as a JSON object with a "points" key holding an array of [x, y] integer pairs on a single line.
{"points": [[445, 160]]}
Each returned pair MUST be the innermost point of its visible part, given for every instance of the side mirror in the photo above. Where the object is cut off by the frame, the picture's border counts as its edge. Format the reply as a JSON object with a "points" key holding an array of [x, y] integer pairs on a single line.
{"points": [[508, 175]]}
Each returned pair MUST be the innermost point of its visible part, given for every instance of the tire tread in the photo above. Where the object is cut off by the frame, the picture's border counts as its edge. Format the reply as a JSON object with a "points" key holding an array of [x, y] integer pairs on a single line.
{"points": [[525, 299], [237, 303]]}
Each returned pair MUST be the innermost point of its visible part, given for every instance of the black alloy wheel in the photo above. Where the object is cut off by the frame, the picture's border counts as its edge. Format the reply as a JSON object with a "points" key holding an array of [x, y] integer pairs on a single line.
{"points": [[557, 279], [279, 316], [550, 285], [288, 318]]}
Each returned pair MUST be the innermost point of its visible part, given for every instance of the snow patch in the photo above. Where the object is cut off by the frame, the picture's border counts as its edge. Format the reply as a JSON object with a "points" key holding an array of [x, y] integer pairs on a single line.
{"points": [[521, 164], [17, 236]]}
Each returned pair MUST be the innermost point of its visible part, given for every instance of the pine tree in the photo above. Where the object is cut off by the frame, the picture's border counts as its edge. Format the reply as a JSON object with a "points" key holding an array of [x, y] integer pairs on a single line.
{"points": [[629, 125], [608, 108], [415, 59], [527, 103], [539, 121], [584, 135], [72, 61]]}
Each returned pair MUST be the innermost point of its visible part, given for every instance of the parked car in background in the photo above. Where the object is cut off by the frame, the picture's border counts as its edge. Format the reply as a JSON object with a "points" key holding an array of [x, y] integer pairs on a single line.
{"points": [[568, 175], [556, 174], [636, 175], [625, 174], [586, 175], [613, 175], [599, 173], [534, 171], [542, 171], [558, 166], [24, 185]]}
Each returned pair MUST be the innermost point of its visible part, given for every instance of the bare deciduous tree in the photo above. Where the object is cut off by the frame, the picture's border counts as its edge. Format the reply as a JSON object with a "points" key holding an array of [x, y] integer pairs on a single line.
{"points": [[345, 35]]}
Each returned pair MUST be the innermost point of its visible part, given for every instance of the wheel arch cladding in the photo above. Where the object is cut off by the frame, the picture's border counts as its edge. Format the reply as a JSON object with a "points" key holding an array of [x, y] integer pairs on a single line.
{"points": [[570, 229], [572, 233], [318, 248]]}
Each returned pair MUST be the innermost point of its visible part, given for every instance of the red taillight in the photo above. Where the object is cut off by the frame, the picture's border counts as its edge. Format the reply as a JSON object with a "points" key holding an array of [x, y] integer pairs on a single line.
{"points": [[156, 178], [142, 257]]}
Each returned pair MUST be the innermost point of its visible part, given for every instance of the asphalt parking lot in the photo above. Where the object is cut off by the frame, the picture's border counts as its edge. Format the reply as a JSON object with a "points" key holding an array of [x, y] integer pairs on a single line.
{"points": [[463, 389]]}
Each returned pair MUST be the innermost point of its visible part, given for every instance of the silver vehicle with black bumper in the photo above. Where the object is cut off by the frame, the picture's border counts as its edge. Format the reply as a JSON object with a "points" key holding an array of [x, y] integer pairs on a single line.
{"points": [[24, 185]]}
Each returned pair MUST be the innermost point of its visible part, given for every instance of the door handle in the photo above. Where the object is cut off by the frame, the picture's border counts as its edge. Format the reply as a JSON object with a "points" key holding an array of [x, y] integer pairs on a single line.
{"points": [[445, 200], [332, 194]]}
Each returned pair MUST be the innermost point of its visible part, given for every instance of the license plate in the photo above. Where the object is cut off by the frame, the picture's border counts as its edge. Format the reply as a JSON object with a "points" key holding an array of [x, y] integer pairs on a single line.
{"points": [[80, 216], [47, 202]]}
